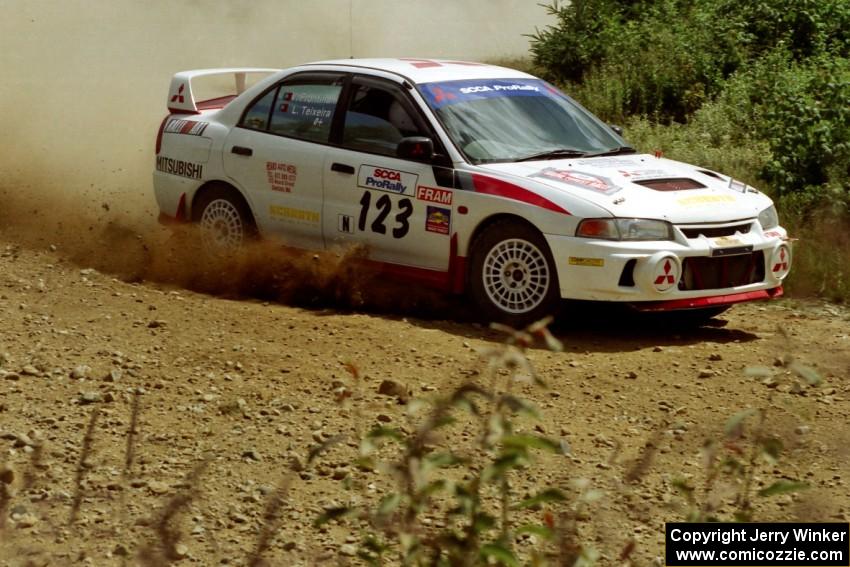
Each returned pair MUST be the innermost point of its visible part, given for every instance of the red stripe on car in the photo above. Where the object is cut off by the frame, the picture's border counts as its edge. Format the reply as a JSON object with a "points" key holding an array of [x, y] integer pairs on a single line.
{"points": [[713, 301], [492, 186]]}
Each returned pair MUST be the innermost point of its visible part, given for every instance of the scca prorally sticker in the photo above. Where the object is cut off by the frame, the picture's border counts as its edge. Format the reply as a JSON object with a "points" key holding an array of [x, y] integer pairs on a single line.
{"points": [[385, 179], [434, 195], [578, 179], [453, 92], [281, 176], [188, 127], [179, 167], [438, 220]]}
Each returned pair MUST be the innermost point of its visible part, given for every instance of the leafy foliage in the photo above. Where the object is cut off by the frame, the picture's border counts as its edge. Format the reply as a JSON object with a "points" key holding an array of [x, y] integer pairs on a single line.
{"points": [[775, 71], [469, 485]]}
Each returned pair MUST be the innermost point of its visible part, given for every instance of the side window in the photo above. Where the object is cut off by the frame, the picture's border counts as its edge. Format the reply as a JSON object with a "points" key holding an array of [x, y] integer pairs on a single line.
{"points": [[376, 120], [305, 110], [257, 116]]}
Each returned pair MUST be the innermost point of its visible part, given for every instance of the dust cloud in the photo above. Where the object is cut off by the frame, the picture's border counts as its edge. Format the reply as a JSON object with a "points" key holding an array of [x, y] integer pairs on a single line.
{"points": [[84, 90]]}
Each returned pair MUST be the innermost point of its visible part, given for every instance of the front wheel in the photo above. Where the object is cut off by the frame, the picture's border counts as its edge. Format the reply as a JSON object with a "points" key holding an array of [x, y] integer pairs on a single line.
{"points": [[512, 274]]}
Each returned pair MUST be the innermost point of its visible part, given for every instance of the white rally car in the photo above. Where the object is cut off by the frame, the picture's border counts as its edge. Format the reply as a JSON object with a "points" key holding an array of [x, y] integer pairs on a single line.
{"points": [[473, 178]]}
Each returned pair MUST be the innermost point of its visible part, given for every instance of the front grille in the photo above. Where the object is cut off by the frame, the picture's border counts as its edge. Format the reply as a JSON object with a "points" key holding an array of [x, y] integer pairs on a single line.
{"points": [[715, 231], [721, 272]]}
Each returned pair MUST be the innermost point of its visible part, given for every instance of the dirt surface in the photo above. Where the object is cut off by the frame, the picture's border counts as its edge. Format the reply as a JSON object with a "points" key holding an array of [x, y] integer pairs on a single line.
{"points": [[91, 315]]}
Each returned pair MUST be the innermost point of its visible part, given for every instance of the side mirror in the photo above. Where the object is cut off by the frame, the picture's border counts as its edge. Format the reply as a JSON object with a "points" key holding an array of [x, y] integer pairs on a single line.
{"points": [[617, 129], [415, 147]]}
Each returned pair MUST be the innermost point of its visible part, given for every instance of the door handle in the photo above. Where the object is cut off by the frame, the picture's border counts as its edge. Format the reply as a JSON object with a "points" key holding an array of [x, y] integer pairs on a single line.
{"points": [[342, 168], [242, 151]]}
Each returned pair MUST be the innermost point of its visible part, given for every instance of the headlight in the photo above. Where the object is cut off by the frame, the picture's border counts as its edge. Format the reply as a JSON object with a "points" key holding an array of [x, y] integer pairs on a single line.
{"points": [[768, 218], [625, 229]]}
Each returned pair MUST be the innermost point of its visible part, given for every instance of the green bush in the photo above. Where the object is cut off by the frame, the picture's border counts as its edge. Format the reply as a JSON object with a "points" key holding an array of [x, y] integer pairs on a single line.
{"points": [[759, 90]]}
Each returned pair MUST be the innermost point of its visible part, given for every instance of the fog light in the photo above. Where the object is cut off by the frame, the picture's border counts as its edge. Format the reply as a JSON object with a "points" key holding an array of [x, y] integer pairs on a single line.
{"points": [[780, 262], [660, 272]]}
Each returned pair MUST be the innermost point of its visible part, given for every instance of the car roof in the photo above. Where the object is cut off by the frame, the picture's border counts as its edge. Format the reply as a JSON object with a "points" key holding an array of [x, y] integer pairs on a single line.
{"points": [[430, 70]]}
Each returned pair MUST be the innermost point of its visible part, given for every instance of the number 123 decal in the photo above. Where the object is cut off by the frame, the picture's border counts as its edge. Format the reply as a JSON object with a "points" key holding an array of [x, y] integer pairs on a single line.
{"points": [[385, 205]]}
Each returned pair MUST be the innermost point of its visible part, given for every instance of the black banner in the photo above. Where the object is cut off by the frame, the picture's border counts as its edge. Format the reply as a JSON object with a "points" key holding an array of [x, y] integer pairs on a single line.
{"points": [[758, 544]]}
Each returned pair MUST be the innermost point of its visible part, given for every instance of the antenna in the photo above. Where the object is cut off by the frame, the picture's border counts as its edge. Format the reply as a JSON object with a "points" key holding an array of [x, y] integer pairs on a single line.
{"points": [[351, 29]]}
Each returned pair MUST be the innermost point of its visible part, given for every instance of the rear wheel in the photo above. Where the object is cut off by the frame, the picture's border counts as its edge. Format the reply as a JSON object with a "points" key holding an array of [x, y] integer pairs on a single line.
{"points": [[224, 220], [512, 274]]}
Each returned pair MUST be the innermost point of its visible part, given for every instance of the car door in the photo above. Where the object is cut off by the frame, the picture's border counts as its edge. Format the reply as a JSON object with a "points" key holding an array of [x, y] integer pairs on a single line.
{"points": [[277, 152], [391, 205]]}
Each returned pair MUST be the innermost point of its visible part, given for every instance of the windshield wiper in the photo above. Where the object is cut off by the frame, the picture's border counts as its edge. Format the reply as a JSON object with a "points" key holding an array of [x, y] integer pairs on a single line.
{"points": [[554, 154], [620, 150]]}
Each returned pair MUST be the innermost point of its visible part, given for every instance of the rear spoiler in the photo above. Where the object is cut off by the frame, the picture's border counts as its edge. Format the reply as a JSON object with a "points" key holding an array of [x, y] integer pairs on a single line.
{"points": [[181, 99]]}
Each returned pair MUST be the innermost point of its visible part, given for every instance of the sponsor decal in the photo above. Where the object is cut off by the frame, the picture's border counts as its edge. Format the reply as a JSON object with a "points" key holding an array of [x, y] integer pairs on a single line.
{"points": [[451, 92], [589, 262], [345, 223], [188, 127], [727, 241], [281, 212], [498, 87], [281, 176], [434, 195], [179, 167], [383, 179], [641, 174], [438, 219], [612, 162], [178, 96], [698, 200], [666, 275], [773, 234], [579, 179]]}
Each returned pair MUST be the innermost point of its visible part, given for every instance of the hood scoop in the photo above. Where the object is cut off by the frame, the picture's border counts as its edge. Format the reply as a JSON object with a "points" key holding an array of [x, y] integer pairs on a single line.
{"points": [[671, 184]]}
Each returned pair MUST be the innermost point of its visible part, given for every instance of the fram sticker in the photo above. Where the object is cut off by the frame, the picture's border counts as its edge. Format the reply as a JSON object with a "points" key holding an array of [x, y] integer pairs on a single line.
{"points": [[384, 179], [188, 127], [290, 213], [438, 220], [579, 179], [281, 176], [179, 167], [441, 196]]}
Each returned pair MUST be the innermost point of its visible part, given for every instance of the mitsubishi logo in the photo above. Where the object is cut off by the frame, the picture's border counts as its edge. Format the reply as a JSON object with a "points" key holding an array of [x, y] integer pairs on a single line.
{"points": [[178, 97], [666, 277], [782, 265]]}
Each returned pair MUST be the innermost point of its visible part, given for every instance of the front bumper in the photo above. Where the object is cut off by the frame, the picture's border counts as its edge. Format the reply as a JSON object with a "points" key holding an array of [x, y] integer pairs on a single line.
{"points": [[686, 273]]}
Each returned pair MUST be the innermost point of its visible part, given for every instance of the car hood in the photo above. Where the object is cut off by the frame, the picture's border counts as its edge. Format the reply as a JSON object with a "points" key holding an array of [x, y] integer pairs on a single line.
{"points": [[642, 186]]}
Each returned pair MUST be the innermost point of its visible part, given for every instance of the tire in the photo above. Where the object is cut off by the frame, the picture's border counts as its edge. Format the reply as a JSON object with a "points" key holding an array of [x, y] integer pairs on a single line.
{"points": [[224, 220], [512, 276]]}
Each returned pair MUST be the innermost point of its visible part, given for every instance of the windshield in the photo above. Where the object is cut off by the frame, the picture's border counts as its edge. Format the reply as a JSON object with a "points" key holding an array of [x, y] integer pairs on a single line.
{"points": [[496, 120]]}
